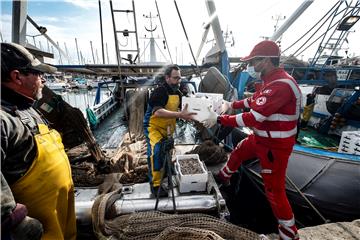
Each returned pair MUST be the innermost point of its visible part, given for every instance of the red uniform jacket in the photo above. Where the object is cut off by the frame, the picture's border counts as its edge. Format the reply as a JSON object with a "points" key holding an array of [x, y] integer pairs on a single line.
{"points": [[274, 110]]}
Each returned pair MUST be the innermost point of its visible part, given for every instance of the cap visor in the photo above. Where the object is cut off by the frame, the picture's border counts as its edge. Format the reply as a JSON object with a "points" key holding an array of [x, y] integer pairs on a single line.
{"points": [[247, 58], [45, 68]]}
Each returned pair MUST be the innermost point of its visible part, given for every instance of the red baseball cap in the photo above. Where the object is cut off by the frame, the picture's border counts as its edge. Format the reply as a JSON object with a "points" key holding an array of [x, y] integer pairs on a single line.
{"points": [[264, 48]]}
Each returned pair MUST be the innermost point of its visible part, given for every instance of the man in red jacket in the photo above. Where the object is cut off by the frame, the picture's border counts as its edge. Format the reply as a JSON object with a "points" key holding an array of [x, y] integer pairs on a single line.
{"points": [[273, 116]]}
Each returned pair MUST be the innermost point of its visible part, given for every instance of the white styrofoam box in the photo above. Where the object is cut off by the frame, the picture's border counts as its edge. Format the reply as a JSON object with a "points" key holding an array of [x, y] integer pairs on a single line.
{"points": [[350, 142], [216, 99], [191, 182], [197, 105]]}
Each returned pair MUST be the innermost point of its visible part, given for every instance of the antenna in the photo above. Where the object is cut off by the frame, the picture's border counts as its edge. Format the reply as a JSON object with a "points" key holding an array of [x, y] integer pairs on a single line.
{"points": [[152, 39], [277, 18]]}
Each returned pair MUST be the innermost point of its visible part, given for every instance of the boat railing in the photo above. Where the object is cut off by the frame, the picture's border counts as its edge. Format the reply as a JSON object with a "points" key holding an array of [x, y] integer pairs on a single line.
{"points": [[344, 75]]}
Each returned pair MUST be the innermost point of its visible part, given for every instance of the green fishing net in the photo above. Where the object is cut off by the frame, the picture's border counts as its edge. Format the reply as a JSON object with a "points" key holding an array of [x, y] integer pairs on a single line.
{"points": [[312, 138]]}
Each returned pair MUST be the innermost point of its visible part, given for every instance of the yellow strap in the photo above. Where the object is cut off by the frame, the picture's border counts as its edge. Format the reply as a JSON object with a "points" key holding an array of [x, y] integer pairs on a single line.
{"points": [[160, 123]]}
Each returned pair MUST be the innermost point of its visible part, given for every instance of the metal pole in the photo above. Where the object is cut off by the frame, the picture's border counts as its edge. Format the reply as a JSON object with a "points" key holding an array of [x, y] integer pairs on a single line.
{"points": [[97, 56], [306, 199], [82, 58], [118, 58], [101, 31], [67, 53], [77, 51], [107, 53], [162, 28], [19, 13], [58, 47], [92, 52], [137, 38], [34, 41], [187, 39], [122, 92], [291, 19], [203, 39], [46, 36]]}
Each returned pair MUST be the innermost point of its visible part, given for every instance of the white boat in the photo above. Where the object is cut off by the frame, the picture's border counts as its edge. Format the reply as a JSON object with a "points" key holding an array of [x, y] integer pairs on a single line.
{"points": [[57, 86], [55, 83]]}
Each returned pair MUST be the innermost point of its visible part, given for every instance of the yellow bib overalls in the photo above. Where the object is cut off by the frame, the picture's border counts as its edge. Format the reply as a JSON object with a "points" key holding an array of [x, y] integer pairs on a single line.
{"points": [[157, 131], [47, 188]]}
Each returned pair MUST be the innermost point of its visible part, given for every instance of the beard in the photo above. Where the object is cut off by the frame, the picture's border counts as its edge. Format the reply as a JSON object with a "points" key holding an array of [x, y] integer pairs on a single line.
{"points": [[38, 94]]}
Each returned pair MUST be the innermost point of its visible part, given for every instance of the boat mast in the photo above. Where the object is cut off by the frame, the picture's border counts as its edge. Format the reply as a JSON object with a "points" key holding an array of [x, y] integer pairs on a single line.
{"points": [[19, 14], [291, 20], [77, 51], [152, 39], [101, 32], [92, 52], [162, 28]]}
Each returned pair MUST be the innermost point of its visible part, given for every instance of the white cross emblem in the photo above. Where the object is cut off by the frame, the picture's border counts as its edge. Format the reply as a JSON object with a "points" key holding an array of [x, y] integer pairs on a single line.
{"points": [[261, 101]]}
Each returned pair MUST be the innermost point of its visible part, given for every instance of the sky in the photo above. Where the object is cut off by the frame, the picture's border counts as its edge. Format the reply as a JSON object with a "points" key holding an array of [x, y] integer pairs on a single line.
{"points": [[247, 22]]}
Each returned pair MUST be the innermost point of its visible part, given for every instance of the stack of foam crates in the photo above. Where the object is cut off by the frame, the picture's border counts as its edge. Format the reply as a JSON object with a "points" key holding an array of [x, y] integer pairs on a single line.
{"points": [[191, 182]]}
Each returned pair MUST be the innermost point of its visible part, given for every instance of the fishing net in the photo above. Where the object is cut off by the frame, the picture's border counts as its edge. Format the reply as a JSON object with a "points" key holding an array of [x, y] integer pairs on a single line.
{"points": [[210, 153], [69, 121], [158, 225], [186, 233], [338, 230], [136, 100], [312, 138], [129, 159]]}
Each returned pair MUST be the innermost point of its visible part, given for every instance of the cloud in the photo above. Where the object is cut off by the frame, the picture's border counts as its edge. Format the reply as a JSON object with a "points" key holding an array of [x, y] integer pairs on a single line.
{"points": [[6, 17], [46, 19], [5, 27], [86, 4]]}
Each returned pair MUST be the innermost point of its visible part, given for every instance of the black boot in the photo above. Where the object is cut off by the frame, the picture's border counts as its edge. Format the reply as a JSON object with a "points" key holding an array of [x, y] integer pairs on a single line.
{"points": [[155, 192]]}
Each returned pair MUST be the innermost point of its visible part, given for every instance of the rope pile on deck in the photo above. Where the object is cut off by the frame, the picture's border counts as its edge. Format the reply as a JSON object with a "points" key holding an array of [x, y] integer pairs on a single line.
{"points": [[158, 225]]}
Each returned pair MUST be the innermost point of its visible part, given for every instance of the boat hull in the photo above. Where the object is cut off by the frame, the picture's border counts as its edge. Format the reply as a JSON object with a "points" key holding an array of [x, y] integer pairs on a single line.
{"points": [[332, 184]]}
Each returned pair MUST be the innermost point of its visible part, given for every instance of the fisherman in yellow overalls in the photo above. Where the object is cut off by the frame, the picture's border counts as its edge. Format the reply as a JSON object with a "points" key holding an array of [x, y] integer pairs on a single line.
{"points": [[162, 112], [33, 160], [308, 110]]}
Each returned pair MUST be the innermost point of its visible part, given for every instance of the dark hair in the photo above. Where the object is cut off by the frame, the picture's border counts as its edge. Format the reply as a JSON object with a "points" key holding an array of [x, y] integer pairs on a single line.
{"points": [[170, 68], [275, 61], [11, 60]]}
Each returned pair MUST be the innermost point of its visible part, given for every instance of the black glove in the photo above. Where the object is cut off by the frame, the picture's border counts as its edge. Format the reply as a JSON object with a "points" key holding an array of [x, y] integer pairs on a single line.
{"points": [[168, 144], [29, 228]]}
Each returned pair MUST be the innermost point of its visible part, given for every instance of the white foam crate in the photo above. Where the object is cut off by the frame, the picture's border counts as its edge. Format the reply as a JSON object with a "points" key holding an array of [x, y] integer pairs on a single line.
{"points": [[198, 106], [191, 182], [216, 98], [350, 142]]}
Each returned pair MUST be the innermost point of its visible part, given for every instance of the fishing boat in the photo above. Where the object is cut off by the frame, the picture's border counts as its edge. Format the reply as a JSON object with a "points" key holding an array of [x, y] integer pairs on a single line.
{"points": [[318, 178], [136, 197], [54, 83], [323, 170]]}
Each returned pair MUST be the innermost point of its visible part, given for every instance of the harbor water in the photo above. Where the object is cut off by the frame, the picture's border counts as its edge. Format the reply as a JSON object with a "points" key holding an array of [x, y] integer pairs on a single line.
{"points": [[82, 98]]}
